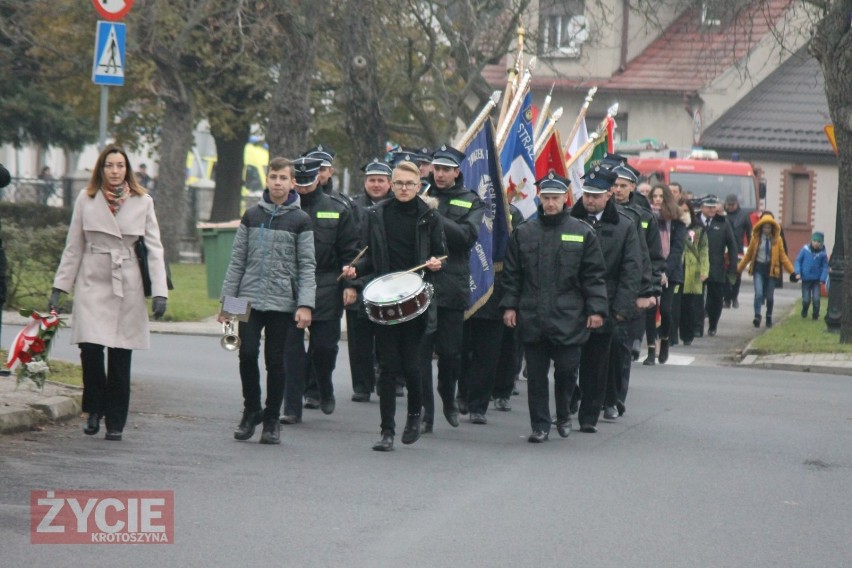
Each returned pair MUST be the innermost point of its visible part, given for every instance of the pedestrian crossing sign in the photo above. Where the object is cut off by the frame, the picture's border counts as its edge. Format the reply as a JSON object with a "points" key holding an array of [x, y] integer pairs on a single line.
{"points": [[108, 64]]}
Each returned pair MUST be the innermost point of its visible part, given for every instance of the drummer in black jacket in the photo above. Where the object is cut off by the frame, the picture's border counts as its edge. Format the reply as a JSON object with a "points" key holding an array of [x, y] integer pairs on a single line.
{"points": [[336, 244], [461, 211], [401, 233], [360, 332], [555, 290]]}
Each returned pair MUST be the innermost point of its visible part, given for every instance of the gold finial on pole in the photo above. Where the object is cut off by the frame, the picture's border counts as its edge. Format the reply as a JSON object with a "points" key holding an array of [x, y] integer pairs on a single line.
{"points": [[477, 123]]}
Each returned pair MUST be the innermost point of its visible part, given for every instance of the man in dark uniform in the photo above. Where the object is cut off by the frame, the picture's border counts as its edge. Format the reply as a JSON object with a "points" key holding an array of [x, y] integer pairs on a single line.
{"points": [[555, 289], [600, 372], [626, 338], [360, 333], [326, 171], [720, 241], [461, 212], [424, 161], [401, 233], [335, 245], [741, 226]]}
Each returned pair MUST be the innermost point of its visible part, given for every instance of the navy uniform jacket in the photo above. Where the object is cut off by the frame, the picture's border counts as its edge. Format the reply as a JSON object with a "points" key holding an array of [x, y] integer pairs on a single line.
{"points": [[720, 240], [555, 277], [335, 245], [461, 212], [623, 258]]}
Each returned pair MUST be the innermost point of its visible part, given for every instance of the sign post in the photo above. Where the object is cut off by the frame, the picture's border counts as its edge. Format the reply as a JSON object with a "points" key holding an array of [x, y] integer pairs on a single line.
{"points": [[108, 64]]}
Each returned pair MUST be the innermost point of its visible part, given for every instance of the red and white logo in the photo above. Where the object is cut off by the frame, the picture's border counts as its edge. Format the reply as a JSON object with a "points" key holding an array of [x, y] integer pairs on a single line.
{"points": [[102, 517]]}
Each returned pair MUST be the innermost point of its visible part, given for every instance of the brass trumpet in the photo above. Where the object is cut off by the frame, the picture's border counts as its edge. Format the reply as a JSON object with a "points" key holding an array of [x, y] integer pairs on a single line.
{"points": [[230, 340]]}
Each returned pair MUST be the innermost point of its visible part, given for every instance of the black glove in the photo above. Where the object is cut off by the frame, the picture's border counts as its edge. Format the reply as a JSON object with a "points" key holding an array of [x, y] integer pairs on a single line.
{"points": [[53, 302], [794, 277], [158, 304]]}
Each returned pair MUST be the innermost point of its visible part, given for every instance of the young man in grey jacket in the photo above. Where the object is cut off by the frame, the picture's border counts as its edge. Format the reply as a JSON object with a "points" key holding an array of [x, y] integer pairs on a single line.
{"points": [[273, 266]]}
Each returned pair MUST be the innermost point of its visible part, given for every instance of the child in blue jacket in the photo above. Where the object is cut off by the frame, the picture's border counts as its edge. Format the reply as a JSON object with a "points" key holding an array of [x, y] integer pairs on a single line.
{"points": [[812, 266]]}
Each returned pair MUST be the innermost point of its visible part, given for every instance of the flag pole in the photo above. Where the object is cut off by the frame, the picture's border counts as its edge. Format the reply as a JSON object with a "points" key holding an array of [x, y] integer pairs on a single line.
{"points": [[541, 140], [580, 118], [503, 130], [593, 138], [508, 93], [520, 63], [478, 121], [542, 116]]}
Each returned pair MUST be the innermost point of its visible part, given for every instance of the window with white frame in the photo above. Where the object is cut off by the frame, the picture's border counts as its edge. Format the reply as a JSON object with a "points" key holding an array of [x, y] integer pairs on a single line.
{"points": [[563, 28]]}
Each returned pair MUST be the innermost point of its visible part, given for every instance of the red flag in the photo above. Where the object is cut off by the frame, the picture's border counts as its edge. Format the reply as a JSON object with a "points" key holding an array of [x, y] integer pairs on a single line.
{"points": [[551, 158]]}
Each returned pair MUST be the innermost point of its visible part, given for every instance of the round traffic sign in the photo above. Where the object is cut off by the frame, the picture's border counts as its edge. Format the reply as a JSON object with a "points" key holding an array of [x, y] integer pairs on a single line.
{"points": [[112, 10]]}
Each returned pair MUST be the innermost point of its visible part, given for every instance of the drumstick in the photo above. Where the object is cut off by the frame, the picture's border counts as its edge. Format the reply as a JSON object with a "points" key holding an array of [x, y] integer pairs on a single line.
{"points": [[354, 260], [416, 268]]}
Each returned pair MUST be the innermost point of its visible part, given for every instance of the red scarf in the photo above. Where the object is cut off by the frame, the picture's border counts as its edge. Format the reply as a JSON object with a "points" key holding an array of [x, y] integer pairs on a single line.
{"points": [[116, 196]]}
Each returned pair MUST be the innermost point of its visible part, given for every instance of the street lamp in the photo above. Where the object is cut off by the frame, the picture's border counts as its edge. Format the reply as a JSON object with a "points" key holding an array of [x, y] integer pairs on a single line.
{"points": [[834, 313]]}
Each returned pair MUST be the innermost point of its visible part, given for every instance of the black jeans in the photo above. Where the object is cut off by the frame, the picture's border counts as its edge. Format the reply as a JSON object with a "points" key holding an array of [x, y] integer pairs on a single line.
{"points": [[566, 360], [732, 291], [284, 355], [715, 293], [691, 315], [482, 342], [651, 330], [400, 346], [361, 339], [447, 342], [674, 328], [322, 358], [106, 392], [594, 370], [509, 363], [620, 359]]}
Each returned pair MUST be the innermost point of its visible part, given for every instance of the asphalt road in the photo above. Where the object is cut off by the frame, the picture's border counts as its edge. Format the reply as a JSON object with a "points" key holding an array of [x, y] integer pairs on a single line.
{"points": [[710, 466]]}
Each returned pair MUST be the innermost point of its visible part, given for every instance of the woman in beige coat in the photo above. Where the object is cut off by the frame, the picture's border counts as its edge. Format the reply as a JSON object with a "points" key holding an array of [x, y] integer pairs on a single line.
{"points": [[99, 262]]}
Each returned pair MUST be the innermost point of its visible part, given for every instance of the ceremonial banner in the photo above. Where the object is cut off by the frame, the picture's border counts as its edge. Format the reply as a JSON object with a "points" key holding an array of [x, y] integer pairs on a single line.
{"points": [[481, 172], [602, 145], [550, 159], [578, 169], [517, 160]]}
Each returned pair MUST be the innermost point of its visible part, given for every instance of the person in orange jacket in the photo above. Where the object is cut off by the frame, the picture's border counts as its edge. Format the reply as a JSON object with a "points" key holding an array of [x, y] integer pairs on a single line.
{"points": [[764, 258]]}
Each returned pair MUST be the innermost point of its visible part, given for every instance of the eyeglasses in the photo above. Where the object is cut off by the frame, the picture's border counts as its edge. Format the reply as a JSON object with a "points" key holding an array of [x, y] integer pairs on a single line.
{"points": [[405, 184]]}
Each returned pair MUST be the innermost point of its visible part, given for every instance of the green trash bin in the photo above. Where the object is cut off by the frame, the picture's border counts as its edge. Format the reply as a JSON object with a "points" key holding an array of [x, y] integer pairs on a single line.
{"points": [[217, 240]]}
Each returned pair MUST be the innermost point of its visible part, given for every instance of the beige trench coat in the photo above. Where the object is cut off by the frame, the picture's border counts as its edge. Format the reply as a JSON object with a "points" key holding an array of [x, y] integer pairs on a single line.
{"points": [[100, 264]]}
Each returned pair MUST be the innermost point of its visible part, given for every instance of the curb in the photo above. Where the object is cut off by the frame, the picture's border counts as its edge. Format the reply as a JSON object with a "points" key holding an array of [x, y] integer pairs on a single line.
{"points": [[51, 409], [818, 369]]}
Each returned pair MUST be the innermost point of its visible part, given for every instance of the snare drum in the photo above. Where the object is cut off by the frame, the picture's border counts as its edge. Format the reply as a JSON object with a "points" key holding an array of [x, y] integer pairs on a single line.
{"points": [[396, 297]]}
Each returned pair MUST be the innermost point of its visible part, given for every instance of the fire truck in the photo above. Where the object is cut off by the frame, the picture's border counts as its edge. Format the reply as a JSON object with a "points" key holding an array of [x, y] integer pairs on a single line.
{"points": [[702, 173]]}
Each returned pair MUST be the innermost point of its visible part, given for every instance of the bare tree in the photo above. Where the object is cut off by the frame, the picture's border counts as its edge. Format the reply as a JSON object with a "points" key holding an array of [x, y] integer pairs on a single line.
{"points": [[832, 47], [165, 34], [289, 116], [363, 122]]}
